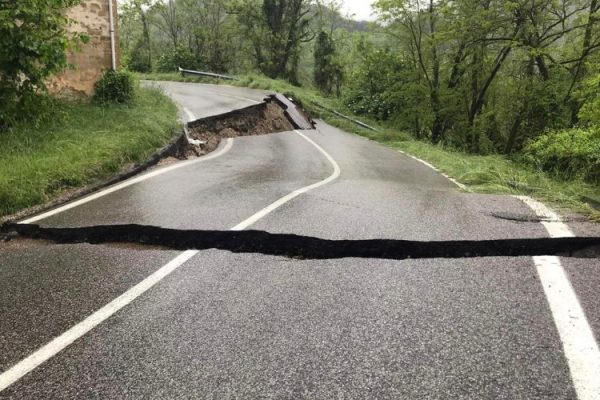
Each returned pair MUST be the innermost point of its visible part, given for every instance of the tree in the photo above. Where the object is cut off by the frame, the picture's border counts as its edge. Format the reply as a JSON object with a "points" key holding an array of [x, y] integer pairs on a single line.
{"points": [[33, 44], [277, 28], [138, 12], [170, 20], [327, 72]]}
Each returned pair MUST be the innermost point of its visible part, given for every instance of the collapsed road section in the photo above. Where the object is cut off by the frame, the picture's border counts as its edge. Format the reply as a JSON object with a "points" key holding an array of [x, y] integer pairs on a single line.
{"points": [[275, 114], [307, 247]]}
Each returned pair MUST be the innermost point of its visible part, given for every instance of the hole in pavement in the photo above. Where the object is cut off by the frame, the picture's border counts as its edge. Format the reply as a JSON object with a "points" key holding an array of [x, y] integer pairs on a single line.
{"points": [[307, 247], [276, 114]]}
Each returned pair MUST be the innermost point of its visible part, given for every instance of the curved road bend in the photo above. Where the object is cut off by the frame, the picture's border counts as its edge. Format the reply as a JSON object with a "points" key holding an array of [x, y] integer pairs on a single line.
{"points": [[226, 325]]}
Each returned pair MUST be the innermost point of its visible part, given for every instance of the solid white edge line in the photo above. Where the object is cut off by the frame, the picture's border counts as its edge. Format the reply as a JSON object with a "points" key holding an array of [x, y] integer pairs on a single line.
{"points": [[270, 208], [129, 182], [190, 115], [457, 183], [59, 343], [579, 344], [551, 220]]}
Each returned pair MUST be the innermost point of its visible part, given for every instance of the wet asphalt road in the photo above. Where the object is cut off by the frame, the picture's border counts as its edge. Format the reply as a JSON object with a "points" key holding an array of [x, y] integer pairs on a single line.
{"points": [[252, 326]]}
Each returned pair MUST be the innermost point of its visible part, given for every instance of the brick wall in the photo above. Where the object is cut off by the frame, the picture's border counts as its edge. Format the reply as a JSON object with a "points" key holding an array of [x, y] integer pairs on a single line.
{"points": [[92, 18]]}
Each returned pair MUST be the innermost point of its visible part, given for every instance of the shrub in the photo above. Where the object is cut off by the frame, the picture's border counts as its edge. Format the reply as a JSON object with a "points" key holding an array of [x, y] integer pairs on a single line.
{"points": [[33, 45], [139, 58], [115, 87], [568, 154], [590, 94], [179, 57]]}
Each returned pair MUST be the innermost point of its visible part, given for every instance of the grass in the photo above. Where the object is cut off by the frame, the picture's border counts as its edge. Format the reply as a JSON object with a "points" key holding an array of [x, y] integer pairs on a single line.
{"points": [[481, 173], [85, 142]]}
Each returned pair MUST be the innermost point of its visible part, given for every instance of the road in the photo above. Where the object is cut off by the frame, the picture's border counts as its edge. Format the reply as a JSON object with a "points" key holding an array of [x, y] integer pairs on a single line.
{"points": [[215, 324]]}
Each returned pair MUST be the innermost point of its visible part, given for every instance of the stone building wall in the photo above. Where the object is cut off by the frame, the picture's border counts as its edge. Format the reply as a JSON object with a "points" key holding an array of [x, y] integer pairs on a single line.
{"points": [[94, 57]]}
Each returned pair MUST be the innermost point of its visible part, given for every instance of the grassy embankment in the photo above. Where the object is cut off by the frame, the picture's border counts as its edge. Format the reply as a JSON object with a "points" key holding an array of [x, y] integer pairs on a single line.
{"points": [[481, 174], [82, 143]]}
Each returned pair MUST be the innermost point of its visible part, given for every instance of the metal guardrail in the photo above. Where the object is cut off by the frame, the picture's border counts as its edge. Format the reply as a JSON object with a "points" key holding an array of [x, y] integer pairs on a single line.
{"points": [[357, 122], [208, 74]]}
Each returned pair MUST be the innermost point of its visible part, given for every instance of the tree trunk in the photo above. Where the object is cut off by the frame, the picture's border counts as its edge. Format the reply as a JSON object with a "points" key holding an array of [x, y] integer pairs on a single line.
{"points": [[514, 131]]}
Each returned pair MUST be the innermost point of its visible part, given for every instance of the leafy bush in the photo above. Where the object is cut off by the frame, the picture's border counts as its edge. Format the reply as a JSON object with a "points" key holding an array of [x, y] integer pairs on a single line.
{"points": [[383, 88], [139, 58], [179, 57], [33, 45], [590, 111], [115, 87], [568, 154]]}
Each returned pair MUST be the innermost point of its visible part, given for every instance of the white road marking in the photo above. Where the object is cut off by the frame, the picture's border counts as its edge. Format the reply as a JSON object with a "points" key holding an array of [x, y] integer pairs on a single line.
{"points": [[270, 208], [61, 342], [551, 220], [191, 117], [129, 182], [579, 344], [457, 183]]}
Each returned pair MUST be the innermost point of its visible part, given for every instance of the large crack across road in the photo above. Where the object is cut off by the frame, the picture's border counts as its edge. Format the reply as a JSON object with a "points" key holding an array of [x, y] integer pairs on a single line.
{"points": [[307, 247]]}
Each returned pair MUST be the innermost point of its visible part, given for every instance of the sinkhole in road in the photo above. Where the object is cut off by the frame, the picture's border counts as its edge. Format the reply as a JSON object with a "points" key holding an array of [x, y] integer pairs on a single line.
{"points": [[274, 115], [307, 247]]}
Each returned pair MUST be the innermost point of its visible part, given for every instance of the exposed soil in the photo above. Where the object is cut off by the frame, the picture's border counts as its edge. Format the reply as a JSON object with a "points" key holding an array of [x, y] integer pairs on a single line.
{"points": [[260, 119]]}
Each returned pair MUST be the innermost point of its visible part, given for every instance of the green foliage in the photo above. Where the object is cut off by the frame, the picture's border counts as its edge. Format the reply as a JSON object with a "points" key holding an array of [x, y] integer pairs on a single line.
{"points": [[328, 73], [88, 142], [33, 44], [179, 57], [139, 59], [382, 87], [276, 29], [590, 111], [568, 154], [495, 73], [115, 87]]}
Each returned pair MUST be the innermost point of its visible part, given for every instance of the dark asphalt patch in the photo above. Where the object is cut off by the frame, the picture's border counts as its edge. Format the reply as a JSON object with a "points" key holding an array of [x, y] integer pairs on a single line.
{"points": [[307, 247], [519, 217]]}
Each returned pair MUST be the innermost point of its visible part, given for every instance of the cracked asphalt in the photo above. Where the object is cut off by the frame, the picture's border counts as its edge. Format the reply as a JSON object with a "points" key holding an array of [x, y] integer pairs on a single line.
{"points": [[229, 325]]}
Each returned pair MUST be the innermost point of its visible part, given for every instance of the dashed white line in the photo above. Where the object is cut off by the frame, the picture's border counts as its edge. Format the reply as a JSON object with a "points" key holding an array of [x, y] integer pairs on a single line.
{"points": [[579, 344], [58, 344]]}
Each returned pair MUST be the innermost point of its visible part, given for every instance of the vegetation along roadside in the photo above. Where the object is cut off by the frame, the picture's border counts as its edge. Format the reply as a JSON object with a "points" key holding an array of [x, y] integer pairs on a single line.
{"points": [[81, 143]]}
